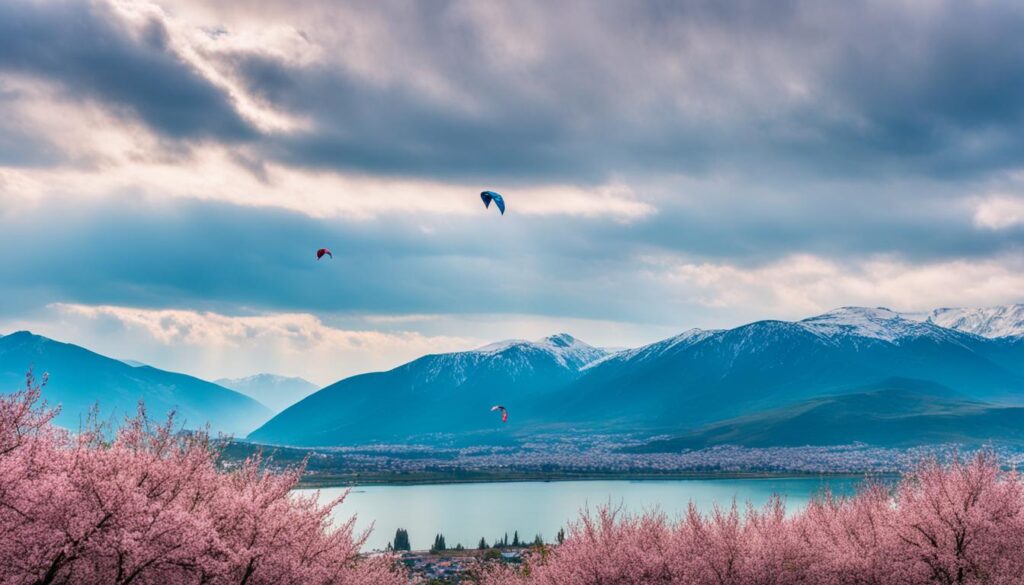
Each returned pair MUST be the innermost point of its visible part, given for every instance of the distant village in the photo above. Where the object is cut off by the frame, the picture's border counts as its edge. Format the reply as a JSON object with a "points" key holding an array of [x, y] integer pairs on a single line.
{"points": [[561, 457]]}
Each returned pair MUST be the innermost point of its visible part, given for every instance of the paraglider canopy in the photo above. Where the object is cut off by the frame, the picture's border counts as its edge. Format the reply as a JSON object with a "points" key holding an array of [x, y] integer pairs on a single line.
{"points": [[498, 200], [320, 253], [504, 413]]}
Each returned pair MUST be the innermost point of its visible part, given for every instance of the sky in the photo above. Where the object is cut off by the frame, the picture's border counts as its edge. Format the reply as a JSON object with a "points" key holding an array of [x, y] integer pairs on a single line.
{"points": [[168, 170]]}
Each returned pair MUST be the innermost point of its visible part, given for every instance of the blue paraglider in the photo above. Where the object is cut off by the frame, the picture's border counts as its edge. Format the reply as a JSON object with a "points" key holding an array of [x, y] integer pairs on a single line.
{"points": [[498, 200]]}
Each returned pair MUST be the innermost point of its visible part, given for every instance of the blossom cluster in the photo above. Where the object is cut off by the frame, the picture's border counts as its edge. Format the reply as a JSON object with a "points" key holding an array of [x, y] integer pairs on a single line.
{"points": [[147, 505], [959, 523]]}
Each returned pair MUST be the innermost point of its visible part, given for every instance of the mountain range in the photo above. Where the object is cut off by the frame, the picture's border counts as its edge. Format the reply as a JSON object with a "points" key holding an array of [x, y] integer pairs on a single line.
{"points": [[80, 379], [687, 383], [853, 374]]}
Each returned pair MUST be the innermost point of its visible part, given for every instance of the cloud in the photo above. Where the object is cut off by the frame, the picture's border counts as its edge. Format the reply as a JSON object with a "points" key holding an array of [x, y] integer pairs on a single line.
{"points": [[218, 174], [804, 284], [213, 256], [999, 212], [579, 95], [215, 345], [90, 52], [189, 156]]}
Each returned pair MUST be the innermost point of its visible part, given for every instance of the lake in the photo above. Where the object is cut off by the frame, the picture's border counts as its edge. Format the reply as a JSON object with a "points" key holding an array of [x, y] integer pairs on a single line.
{"points": [[465, 512]]}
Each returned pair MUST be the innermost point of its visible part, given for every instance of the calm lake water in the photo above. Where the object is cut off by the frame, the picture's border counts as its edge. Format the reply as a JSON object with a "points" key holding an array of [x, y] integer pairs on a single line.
{"points": [[465, 512]]}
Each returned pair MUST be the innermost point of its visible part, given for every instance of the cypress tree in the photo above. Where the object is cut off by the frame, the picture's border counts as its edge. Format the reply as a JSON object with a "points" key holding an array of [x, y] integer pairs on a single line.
{"points": [[483, 544], [401, 540]]}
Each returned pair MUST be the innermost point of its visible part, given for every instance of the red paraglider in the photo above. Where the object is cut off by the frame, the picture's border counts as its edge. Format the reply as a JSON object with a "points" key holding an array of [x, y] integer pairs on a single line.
{"points": [[504, 413], [322, 251]]}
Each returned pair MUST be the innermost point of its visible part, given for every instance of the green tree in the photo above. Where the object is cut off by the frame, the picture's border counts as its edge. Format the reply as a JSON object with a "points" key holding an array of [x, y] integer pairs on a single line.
{"points": [[538, 540], [401, 541], [560, 537], [439, 544], [515, 539], [483, 544]]}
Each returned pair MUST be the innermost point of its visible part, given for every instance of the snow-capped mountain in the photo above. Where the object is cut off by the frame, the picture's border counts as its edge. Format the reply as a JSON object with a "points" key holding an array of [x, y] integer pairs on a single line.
{"points": [[1003, 321], [692, 379], [700, 377], [655, 350], [437, 394], [566, 349], [275, 392], [878, 323]]}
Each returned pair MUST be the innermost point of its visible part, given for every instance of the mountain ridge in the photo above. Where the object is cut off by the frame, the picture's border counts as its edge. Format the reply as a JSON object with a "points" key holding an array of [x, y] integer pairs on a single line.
{"points": [[688, 380], [995, 322], [894, 413], [437, 394], [79, 378]]}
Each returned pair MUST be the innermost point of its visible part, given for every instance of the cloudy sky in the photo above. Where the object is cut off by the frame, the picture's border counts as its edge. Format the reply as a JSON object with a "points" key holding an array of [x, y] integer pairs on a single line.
{"points": [[167, 170]]}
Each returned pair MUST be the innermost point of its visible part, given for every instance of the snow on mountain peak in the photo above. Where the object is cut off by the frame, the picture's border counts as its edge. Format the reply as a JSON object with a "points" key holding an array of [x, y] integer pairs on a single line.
{"points": [[646, 352], [568, 350], [560, 340], [877, 323], [1001, 321]]}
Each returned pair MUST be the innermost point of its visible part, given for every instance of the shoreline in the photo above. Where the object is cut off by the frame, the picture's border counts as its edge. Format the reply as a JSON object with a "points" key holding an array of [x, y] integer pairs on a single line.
{"points": [[391, 479]]}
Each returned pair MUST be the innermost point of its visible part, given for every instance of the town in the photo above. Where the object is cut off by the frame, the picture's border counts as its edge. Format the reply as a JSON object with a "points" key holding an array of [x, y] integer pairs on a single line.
{"points": [[562, 458]]}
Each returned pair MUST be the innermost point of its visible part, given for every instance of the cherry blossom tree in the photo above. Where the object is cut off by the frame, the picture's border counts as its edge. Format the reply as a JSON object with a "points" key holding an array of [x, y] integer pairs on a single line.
{"points": [[955, 524], [961, 524], [150, 505]]}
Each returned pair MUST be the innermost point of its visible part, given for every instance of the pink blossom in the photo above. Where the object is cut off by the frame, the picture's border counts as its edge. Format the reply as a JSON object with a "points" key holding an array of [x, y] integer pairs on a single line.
{"points": [[152, 506], [959, 524]]}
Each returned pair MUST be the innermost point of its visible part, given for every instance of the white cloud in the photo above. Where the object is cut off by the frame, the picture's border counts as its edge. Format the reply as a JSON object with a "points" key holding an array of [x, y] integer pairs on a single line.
{"points": [[212, 172], [998, 212], [198, 46], [803, 285], [213, 345]]}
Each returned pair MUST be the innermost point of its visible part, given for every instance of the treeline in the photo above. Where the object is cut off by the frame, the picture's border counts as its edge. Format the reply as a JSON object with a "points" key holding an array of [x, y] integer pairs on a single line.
{"points": [[148, 505], [961, 524], [401, 542]]}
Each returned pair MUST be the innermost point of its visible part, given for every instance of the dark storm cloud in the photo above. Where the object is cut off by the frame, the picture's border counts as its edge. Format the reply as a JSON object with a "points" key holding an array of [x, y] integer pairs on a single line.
{"points": [[850, 89], [89, 53], [581, 93]]}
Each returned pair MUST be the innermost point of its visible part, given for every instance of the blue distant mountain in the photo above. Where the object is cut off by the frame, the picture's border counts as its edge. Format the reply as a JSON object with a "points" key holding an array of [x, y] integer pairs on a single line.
{"points": [[275, 392], [675, 386], [80, 379]]}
